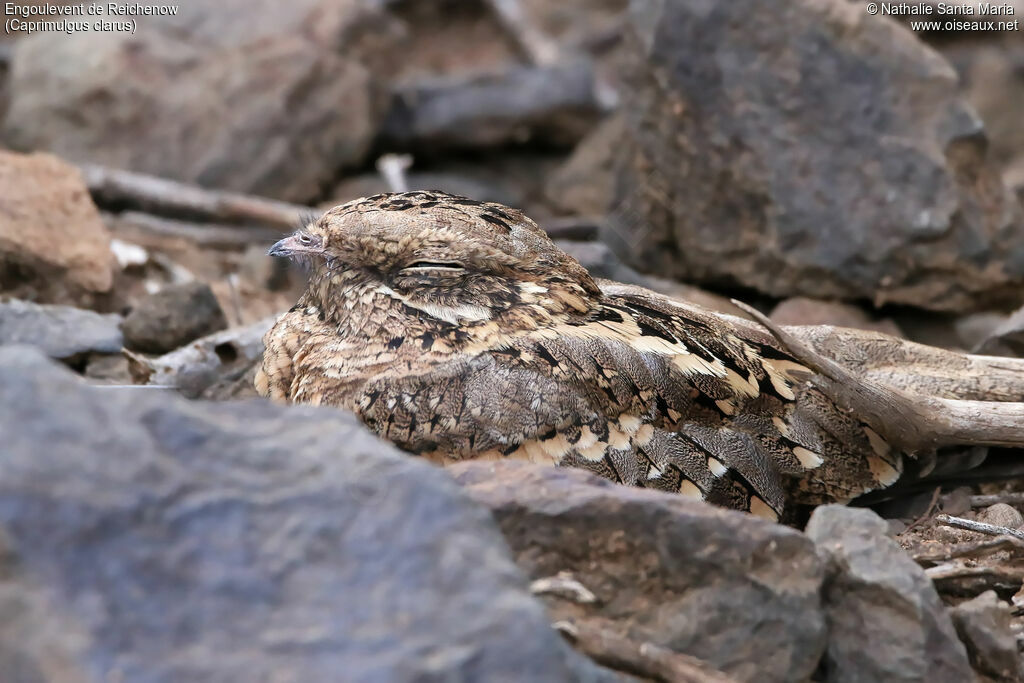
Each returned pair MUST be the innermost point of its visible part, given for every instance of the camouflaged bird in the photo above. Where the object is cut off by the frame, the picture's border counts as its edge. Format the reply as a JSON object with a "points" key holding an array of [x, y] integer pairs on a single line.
{"points": [[458, 330]]}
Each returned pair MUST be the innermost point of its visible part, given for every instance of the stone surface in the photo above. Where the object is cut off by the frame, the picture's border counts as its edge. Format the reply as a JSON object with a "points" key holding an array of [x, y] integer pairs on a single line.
{"points": [[59, 331], [155, 539], [832, 157], [261, 97], [984, 625], [173, 317], [551, 104], [601, 262], [738, 592], [585, 183], [1001, 514], [886, 622], [805, 311], [53, 244], [1007, 339]]}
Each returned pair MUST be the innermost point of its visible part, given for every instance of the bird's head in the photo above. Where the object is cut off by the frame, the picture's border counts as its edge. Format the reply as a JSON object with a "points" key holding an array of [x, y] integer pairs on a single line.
{"points": [[455, 259]]}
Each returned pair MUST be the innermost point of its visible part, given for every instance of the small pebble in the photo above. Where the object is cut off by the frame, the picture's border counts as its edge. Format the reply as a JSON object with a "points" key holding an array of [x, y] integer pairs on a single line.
{"points": [[1002, 514]]}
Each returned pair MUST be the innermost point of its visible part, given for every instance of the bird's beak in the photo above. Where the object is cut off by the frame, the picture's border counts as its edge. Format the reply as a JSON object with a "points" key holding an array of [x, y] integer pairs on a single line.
{"points": [[291, 246]]}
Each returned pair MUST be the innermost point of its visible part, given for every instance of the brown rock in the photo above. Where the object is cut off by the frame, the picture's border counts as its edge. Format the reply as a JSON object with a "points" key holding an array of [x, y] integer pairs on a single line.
{"points": [[804, 311], [584, 184], [832, 157], [253, 97], [738, 592], [52, 241], [172, 318]]}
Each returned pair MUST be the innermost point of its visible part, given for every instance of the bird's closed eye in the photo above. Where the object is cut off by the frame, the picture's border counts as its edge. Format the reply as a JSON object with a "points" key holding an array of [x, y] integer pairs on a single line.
{"points": [[426, 266]]}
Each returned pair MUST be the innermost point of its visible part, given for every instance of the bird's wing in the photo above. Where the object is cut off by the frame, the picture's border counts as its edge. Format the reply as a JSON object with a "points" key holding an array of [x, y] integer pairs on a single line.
{"points": [[646, 391]]}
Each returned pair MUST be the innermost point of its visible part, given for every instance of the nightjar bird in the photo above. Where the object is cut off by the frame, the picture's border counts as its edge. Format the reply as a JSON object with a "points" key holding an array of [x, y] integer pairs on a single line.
{"points": [[457, 329]]}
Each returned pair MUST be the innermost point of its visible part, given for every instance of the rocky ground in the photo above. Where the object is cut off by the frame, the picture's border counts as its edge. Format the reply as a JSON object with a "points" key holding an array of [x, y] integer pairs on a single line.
{"points": [[829, 166]]}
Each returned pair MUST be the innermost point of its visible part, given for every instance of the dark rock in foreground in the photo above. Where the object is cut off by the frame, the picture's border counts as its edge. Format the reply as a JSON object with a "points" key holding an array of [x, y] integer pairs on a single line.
{"points": [[984, 625], [146, 538], [735, 591], [808, 149], [886, 622], [173, 317]]}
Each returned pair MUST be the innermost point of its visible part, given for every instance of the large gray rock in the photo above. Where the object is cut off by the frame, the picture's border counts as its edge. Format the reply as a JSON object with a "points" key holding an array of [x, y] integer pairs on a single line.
{"points": [[806, 148], [735, 591], [984, 625], [262, 97], [886, 622], [59, 331], [151, 539]]}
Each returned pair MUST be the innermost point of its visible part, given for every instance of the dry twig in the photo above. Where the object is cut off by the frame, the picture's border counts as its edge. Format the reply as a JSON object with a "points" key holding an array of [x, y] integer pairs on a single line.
{"points": [[642, 659], [980, 527], [213, 235], [114, 187], [1011, 498], [971, 550], [952, 570]]}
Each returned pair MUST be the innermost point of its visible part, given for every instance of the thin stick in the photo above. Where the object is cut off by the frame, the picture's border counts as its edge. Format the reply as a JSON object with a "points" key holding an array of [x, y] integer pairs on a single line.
{"points": [[643, 659], [962, 571], [980, 527], [928, 510], [1013, 498], [213, 235], [114, 187], [972, 550]]}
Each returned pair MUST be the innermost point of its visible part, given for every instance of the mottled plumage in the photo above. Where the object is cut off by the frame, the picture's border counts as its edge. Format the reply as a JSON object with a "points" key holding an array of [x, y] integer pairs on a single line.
{"points": [[457, 330]]}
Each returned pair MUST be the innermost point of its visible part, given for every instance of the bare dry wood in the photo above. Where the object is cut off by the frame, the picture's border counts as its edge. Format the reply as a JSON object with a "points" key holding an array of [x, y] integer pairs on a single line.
{"points": [[213, 235], [970, 550], [642, 659], [909, 422], [118, 188], [980, 527], [994, 574], [1010, 498]]}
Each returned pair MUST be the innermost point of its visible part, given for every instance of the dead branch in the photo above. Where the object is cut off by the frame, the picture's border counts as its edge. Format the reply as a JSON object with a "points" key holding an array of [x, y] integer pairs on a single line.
{"points": [[1012, 498], [642, 659], [215, 236], [945, 572], [971, 550], [909, 422], [980, 527], [117, 188]]}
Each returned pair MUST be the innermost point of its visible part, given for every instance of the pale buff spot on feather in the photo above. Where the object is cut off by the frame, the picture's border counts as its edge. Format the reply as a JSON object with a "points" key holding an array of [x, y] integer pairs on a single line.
{"points": [[761, 509], [689, 489], [808, 459], [716, 467]]}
